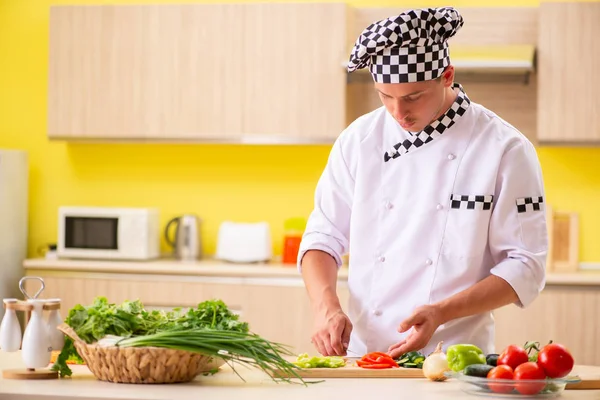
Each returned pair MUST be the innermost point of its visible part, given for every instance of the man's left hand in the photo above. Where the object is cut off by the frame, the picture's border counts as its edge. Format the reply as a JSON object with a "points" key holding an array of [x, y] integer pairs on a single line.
{"points": [[424, 321]]}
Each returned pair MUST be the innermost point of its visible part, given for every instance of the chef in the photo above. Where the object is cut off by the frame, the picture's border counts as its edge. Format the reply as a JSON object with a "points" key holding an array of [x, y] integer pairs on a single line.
{"points": [[438, 202]]}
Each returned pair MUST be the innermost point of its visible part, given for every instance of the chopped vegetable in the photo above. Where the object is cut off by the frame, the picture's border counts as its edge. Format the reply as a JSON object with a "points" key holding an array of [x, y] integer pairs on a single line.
{"points": [[461, 355], [436, 364], [412, 359], [305, 361], [377, 360]]}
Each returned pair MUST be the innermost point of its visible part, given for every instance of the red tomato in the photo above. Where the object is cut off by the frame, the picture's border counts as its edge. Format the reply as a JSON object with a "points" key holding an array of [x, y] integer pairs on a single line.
{"points": [[528, 371], [556, 360], [513, 356], [501, 372]]}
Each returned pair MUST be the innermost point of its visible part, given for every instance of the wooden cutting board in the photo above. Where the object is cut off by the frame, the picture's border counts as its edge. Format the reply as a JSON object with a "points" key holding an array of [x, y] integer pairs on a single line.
{"points": [[590, 378], [353, 371]]}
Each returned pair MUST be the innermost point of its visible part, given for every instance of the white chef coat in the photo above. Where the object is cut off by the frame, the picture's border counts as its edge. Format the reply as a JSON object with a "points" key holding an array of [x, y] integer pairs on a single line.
{"points": [[407, 246]]}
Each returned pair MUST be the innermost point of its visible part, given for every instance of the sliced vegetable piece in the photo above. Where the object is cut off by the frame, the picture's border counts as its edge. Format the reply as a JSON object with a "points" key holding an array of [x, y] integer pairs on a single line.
{"points": [[377, 366]]}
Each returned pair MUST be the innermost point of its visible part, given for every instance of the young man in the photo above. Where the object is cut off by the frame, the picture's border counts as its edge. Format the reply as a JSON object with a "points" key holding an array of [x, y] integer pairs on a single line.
{"points": [[437, 200]]}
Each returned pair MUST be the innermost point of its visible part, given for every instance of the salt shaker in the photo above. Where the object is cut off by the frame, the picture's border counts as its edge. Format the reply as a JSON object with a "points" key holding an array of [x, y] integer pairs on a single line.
{"points": [[36, 349], [10, 329], [57, 338]]}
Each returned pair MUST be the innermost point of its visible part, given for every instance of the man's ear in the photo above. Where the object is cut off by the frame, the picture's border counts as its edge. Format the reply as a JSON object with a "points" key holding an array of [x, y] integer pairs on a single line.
{"points": [[448, 76]]}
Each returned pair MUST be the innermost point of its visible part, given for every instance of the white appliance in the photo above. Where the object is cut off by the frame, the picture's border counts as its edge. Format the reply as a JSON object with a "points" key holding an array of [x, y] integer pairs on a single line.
{"points": [[14, 183], [108, 233], [244, 242]]}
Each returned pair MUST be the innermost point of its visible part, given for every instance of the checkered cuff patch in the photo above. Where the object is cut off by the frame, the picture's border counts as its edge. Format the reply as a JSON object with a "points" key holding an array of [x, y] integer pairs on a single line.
{"points": [[433, 130], [471, 202], [525, 204], [410, 47]]}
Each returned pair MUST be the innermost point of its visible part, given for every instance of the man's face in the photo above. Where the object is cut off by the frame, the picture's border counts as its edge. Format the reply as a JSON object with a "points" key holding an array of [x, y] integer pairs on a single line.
{"points": [[415, 105]]}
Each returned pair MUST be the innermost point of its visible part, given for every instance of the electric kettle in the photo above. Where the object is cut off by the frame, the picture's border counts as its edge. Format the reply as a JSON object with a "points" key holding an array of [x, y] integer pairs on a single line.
{"points": [[186, 243]]}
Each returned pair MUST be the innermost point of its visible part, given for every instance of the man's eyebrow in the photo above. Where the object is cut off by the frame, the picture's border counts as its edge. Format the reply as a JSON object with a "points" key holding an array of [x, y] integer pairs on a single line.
{"points": [[406, 95]]}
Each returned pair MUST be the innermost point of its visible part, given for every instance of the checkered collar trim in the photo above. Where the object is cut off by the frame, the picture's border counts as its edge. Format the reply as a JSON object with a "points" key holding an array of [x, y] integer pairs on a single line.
{"points": [[435, 129]]}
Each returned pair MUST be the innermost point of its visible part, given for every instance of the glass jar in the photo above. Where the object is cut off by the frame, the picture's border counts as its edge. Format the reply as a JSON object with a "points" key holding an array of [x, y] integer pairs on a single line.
{"points": [[292, 237]]}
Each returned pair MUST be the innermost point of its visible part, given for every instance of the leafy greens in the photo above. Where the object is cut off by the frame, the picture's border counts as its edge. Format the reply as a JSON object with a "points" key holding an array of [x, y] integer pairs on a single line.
{"points": [[130, 319]]}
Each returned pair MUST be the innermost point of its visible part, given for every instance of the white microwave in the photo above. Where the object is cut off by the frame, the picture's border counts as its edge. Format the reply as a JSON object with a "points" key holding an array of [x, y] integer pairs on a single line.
{"points": [[108, 233]]}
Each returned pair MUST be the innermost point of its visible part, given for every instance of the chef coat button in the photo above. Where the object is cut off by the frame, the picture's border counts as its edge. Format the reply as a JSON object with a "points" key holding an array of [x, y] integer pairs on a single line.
{"points": [[428, 262], [451, 156], [382, 258], [440, 207], [389, 205], [377, 313]]}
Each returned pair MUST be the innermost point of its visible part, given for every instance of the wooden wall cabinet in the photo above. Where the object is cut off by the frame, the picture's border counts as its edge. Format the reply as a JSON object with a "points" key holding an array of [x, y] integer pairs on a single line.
{"points": [[569, 78], [216, 72]]}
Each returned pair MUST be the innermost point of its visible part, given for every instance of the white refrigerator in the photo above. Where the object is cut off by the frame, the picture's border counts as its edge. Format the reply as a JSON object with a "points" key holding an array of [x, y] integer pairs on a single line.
{"points": [[14, 198]]}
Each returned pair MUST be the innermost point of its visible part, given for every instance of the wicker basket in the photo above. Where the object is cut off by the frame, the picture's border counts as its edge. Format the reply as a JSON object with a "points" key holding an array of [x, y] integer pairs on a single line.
{"points": [[141, 364]]}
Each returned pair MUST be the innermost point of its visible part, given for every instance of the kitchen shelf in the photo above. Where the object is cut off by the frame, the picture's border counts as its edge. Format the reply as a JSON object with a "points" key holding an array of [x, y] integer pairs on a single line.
{"points": [[216, 268]]}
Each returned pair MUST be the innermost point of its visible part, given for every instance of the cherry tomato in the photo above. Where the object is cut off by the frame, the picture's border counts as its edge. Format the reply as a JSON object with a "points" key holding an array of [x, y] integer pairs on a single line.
{"points": [[501, 372], [529, 371], [513, 356], [556, 360]]}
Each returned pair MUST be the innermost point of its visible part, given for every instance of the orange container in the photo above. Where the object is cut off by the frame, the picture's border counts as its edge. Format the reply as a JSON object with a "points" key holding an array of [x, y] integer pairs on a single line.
{"points": [[294, 228]]}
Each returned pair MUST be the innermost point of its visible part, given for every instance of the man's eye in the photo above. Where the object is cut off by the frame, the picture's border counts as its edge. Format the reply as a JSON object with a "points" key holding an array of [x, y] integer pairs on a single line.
{"points": [[414, 98]]}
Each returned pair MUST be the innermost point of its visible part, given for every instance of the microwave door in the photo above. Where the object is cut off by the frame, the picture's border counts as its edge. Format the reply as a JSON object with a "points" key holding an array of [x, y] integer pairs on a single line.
{"points": [[91, 233]]}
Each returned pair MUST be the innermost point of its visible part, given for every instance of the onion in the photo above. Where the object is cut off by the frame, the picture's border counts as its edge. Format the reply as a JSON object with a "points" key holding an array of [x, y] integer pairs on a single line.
{"points": [[436, 364]]}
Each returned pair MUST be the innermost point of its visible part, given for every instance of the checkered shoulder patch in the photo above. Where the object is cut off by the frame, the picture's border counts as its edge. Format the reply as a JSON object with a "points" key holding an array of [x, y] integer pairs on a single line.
{"points": [[525, 204], [471, 202]]}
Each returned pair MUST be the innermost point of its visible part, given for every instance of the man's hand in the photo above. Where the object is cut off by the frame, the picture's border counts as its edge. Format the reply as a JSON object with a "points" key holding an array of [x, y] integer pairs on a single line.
{"points": [[332, 335], [424, 321]]}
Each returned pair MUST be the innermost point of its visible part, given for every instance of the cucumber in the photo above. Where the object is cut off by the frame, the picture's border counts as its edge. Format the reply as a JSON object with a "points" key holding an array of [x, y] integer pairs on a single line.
{"points": [[491, 359], [409, 365], [480, 370]]}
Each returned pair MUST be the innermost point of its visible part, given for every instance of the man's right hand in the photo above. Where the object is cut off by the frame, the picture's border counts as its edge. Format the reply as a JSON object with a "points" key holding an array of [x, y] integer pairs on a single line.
{"points": [[332, 334]]}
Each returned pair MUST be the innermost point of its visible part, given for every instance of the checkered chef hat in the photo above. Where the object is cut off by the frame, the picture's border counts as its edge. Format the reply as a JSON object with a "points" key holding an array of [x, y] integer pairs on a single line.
{"points": [[410, 47]]}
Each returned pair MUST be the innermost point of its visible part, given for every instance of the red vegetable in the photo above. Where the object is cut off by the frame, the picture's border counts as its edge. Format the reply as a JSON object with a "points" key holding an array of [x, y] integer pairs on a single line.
{"points": [[513, 356], [377, 366], [500, 372], [529, 371], [377, 360], [556, 360]]}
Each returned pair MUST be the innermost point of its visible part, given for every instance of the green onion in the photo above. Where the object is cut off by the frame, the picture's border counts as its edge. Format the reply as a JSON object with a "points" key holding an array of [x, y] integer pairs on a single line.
{"points": [[242, 347]]}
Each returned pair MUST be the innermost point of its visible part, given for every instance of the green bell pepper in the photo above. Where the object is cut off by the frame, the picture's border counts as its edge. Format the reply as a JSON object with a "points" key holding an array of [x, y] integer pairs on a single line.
{"points": [[461, 355]]}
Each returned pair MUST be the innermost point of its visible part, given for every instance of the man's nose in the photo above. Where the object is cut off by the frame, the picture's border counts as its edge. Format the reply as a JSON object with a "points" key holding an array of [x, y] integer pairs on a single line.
{"points": [[400, 110]]}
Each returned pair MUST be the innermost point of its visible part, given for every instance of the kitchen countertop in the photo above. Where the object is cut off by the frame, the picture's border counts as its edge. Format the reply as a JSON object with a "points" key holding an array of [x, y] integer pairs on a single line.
{"points": [[215, 268], [226, 385]]}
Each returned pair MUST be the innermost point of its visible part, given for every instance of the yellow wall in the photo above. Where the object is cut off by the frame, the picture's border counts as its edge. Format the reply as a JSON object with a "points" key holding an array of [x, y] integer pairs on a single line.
{"points": [[218, 182]]}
